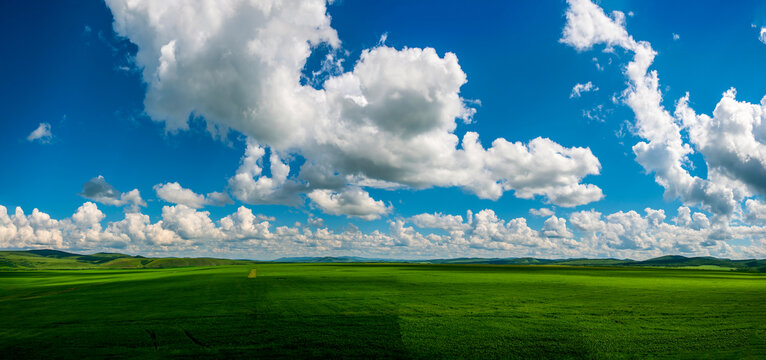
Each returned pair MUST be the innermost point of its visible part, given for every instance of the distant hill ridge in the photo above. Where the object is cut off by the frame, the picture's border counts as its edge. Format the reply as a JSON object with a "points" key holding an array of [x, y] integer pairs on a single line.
{"points": [[56, 259]]}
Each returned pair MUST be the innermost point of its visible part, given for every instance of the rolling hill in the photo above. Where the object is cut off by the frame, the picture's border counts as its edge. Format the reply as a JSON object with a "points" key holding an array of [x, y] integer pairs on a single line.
{"points": [[55, 259], [670, 261]]}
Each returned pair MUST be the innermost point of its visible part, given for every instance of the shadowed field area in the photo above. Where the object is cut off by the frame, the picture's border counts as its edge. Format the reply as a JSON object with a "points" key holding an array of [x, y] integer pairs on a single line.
{"points": [[383, 310]]}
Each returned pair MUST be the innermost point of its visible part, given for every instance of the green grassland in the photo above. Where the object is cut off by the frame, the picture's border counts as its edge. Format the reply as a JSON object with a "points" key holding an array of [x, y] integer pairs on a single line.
{"points": [[60, 260], [382, 310]]}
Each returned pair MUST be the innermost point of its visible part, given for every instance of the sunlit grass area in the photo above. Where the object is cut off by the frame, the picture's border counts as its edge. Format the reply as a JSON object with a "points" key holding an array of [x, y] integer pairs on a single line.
{"points": [[383, 310]]}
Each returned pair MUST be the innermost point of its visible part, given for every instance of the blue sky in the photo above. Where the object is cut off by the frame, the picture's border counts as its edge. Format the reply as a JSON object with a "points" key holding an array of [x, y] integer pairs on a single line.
{"points": [[372, 94]]}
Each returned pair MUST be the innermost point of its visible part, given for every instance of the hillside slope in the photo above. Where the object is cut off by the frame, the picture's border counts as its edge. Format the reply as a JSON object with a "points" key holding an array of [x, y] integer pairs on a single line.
{"points": [[55, 259]]}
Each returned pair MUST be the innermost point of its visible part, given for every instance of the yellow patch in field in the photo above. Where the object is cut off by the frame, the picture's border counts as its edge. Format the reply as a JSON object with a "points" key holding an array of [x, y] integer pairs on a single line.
{"points": [[251, 274]]}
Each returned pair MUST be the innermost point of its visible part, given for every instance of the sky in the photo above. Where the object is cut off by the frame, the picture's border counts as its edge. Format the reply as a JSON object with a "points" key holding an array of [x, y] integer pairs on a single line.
{"points": [[396, 129]]}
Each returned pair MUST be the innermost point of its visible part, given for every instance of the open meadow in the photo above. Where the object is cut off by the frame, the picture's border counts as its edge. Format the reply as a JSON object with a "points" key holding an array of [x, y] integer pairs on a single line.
{"points": [[383, 310]]}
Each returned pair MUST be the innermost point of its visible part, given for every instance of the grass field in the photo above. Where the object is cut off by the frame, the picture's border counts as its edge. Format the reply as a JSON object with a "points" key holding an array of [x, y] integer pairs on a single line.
{"points": [[383, 310]]}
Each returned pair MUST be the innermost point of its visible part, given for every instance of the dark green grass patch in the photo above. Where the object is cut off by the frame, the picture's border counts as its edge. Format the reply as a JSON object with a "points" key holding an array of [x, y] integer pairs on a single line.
{"points": [[383, 311]]}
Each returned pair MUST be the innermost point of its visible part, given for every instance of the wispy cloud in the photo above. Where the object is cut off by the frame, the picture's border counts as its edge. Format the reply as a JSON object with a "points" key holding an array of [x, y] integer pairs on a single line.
{"points": [[42, 134], [580, 89]]}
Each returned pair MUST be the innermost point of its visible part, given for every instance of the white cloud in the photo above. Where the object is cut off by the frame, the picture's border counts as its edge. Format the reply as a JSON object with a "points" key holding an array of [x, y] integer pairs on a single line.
{"points": [[37, 230], [676, 36], [189, 223], [132, 199], [439, 221], [244, 225], [351, 201], [598, 65], [84, 229], [762, 35], [88, 215], [491, 233], [136, 233], [175, 193], [542, 167], [183, 230], [580, 89], [216, 198], [624, 233], [389, 121], [587, 221], [315, 221], [755, 210], [542, 212], [587, 25], [555, 227], [97, 189], [733, 166], [252, 187], [732, 141], [41, 134], [597, 113], [684, 217], [383, 38]]}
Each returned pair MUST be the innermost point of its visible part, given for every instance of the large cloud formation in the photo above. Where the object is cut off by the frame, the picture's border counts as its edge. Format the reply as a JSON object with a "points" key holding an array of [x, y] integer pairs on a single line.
{"points": [[388, 122], [732, 141], [185, 231]]}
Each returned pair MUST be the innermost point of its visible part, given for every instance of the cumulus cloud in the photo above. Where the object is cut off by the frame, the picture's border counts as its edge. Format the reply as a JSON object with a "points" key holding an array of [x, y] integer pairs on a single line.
{"points": [[37, 230], [388, 121], [732, 141], [97, 189], [315, 221], [439, 221], [587, 25], [351, 201], [489, 232], [541, 212], [735, 156], [41, 134], [755, 210], [580, 89], [251, 186], [588, 221], [183, 230], [175, 193], [624, 233], [555, 227], [244, 225], [84, 229], [88, 215], [189, 223], [762, 35], [542, 167], [136, 232]]}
